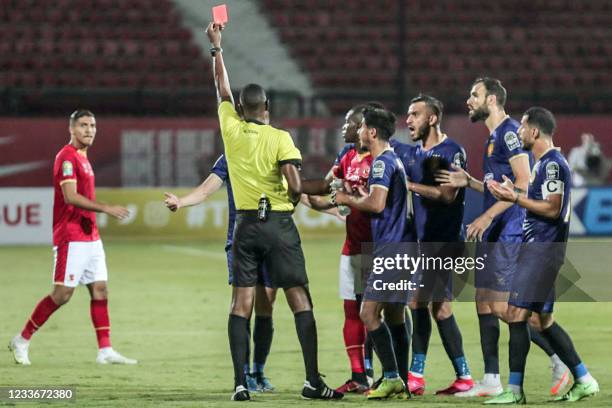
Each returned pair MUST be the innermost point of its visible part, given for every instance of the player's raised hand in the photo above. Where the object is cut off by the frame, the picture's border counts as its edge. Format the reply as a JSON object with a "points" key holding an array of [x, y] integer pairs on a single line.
{"points": [[213, 31], [457, 178], [117, 211], [476, 229], [172, 202], [503, 191]]}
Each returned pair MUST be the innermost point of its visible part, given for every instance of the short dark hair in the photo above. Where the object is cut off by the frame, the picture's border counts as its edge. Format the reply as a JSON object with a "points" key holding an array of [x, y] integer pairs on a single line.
{"points": [[79, 113], [541, 118], [380, 119], [358, 109], [434, 104], [493, 87], [253, 98]]}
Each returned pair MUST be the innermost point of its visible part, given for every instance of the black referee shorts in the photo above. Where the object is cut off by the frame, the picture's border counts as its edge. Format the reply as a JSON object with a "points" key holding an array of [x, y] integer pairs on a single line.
{"points": [[275, 243]]}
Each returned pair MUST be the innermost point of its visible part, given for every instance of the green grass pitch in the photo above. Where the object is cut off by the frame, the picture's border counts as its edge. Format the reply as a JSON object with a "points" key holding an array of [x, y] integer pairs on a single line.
{"points": [[169, 303]]}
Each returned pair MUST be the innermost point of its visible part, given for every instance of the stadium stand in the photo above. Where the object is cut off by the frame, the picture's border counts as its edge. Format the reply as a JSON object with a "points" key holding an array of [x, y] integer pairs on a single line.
{"points": [[139, 54], [355, 46], [114, 46]]}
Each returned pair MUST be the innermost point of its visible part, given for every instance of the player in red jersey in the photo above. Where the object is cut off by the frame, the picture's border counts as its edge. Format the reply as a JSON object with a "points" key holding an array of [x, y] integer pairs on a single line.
{"points": [[352, 168], [78, 252]]}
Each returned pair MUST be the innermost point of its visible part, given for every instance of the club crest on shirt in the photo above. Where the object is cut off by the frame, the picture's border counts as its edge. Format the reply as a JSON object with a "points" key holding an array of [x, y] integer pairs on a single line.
{"points": [[378, 169], [490, 148], [512, 140], [67, 169], [552, 171]]}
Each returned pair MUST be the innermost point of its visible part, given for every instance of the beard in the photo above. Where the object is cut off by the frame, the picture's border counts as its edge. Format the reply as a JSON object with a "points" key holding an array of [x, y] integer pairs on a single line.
{"points": [[421, 133], [481, 113]]}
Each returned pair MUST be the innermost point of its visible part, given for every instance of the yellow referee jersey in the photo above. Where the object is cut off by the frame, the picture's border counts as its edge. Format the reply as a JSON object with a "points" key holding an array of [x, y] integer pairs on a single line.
{"points": [[254, 154]]}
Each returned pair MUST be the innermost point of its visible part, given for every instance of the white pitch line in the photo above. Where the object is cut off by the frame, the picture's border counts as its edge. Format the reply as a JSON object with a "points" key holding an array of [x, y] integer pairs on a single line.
{"points": [[193, 251]]}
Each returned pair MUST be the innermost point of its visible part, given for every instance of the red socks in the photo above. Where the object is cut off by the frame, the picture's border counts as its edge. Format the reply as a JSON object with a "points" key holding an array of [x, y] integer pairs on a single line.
{"points": [[41, 313], [101, 321], [354, 335], [46, 307]]}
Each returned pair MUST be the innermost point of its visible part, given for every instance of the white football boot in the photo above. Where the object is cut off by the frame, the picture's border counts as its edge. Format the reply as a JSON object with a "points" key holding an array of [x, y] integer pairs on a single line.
{"points": [[109, 356], [19, 347], [489, 386]]}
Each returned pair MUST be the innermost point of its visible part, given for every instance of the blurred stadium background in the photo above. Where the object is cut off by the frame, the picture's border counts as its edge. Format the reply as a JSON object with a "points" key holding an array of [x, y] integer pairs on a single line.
{"points": [[143, 67]]}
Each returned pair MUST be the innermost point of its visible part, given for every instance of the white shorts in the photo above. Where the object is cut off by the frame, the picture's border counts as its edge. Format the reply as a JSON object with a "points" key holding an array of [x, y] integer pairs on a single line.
{"points": [[351, 281], [79, 263]]}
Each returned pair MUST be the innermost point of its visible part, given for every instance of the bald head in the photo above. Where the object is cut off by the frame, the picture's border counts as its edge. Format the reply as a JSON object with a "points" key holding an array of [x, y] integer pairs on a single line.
{"points": [[253, 100]]}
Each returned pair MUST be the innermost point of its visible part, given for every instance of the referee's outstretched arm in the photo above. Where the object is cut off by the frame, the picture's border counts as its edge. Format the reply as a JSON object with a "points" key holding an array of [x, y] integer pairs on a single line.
{"points": [[222, 85]]}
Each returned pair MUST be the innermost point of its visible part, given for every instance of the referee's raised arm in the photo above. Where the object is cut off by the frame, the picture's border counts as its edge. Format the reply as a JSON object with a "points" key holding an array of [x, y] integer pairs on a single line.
{"points": [[222, 85]]}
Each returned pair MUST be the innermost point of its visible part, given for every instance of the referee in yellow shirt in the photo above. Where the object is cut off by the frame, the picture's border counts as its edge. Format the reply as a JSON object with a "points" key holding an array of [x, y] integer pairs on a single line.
{"points": [[263, 165]]}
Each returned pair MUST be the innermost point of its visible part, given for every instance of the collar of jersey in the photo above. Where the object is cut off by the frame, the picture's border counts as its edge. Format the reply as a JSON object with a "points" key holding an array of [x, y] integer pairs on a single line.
{"points": [[500, 124], [444, 139], [547, 151], [255, 121], [79, 152]]}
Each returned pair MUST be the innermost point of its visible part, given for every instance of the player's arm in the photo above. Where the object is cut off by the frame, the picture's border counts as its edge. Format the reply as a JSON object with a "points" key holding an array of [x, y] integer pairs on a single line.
{"points": [[318, 203], [443, 194], [372, 203], [323, 205], [457, 178], [550, 207], [318, 187], [520, 170], [222, 85], [211, 185], [72, 197]]}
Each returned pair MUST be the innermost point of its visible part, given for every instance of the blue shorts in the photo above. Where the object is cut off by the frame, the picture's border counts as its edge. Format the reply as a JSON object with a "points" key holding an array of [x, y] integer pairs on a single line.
{"points": [[500, 246], [533, 285], [393, 284], [434, 281], [262, 279]]}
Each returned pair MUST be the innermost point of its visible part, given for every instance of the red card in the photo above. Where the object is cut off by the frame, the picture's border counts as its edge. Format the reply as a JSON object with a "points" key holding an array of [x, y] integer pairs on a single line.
{"points": [[220, 14]]}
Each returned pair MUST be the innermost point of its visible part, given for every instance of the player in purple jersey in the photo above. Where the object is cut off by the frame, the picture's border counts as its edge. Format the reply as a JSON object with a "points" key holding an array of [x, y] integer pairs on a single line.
{"points": [[499, 227], [265, 295], [438, 214], [545, 233], [387, 203]]}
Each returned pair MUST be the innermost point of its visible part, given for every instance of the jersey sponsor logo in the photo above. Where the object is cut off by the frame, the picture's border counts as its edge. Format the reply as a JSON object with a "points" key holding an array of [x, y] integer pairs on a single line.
{"points": [[378, 169], [487, 177], [67, 169], [512, 140], [87, 169], [552, 171]]}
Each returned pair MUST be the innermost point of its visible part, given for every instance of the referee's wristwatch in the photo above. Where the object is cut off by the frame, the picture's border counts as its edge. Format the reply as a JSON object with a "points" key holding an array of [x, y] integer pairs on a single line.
{"points": [[214, 50]]}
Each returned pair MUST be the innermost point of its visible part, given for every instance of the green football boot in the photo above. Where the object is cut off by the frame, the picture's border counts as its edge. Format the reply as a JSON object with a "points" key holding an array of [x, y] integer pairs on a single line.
{"points": [[387, 388], [508, 397], [580, 391]]}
